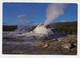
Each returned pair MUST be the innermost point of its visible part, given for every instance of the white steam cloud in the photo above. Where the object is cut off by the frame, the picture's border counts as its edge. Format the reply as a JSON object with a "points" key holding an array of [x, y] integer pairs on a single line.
{"points": [[54, 11]]}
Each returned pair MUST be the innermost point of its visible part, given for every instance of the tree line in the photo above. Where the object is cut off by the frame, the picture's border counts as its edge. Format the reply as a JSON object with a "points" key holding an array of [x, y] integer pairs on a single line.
{"points": [[63, 27], [66, 27]]}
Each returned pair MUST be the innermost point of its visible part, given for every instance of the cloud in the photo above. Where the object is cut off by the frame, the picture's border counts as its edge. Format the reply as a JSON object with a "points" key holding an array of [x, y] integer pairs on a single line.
{"points": [[63, 21], [21, 16], [25, 19]]}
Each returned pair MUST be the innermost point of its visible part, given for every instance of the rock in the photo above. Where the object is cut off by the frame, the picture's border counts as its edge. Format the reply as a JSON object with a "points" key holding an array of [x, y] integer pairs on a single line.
{"points": [[60, 39], [66, 45], [75, 44], [39, 44], [46, 45]]}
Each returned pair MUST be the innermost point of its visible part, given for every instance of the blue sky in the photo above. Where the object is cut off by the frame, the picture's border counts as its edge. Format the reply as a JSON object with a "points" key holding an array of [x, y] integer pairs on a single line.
{"points": [[35, 12]]}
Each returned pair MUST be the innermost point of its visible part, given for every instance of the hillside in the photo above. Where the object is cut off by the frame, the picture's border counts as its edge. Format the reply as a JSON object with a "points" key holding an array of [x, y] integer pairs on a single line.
{"points": [[65, 27]]}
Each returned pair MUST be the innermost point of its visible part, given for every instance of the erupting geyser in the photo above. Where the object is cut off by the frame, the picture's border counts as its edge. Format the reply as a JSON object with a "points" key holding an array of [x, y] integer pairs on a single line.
{"points": [[54, 11]]}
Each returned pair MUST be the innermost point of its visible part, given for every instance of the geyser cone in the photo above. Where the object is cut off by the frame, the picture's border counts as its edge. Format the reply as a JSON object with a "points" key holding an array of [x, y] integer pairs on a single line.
{"points": [[42, 29]]}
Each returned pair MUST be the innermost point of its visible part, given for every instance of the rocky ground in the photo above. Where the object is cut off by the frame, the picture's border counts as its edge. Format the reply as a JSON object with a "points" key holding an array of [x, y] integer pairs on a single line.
{"points": [[65, 47], [52, 47]]}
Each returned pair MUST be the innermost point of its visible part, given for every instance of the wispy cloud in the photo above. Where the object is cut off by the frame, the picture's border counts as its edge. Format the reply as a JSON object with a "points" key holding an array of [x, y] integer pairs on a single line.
{"points": [[63, 21], [20, 16]]}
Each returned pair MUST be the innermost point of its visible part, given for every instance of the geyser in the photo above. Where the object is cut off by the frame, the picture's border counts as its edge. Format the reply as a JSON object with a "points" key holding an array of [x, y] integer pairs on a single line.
{"points": [[43, 32], [54, 11], [41, 29]]}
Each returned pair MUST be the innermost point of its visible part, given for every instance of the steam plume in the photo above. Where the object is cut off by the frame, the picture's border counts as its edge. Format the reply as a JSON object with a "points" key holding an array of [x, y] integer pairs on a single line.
{"points": [[25, 19], [54, 11]]}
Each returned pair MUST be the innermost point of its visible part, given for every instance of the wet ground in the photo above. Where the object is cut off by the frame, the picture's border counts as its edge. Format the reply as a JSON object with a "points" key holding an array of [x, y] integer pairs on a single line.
{"points": [[23, 47], [20, 46]]}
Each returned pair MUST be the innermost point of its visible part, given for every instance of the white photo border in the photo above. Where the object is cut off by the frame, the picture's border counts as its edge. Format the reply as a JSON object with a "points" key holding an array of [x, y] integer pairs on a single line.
{"points": [[40, 56]]}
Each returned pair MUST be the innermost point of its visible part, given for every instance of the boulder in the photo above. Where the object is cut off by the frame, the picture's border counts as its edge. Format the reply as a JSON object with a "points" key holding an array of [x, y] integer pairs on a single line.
{"points": [[66, 45]]}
